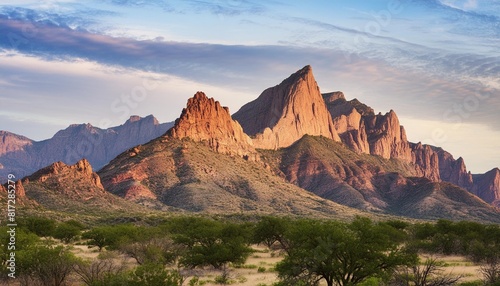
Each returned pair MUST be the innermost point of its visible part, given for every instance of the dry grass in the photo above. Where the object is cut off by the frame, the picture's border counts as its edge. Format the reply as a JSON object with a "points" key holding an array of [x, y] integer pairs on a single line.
{"points": [[259, 267]]}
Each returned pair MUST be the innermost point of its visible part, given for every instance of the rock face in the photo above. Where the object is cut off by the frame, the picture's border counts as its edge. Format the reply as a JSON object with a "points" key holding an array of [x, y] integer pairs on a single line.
{"points": [[426, 161], [72, 188], [281, 115], [364, 132], [20, 195], [53, 173], [453, 171], [487, 186], [348, 122], [205, 120], [22, 156], [10, 142], [387, 138]]}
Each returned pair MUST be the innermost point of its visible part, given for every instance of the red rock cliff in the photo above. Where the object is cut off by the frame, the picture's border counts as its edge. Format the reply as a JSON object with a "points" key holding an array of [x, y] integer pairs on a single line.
{"points": [[205, 120], [283, 114]]}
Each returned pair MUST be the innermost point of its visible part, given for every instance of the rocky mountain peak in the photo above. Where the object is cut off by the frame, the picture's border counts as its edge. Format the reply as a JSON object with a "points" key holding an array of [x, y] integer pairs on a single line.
{"points": [[205, 120], [133, 118], [283, 114], [426, 161], [304, 73], [81, 169], [137, 118], [487, 186], [333, 96], [10, 142], [76, 130], [83, 166], [496, 172], [387, 138]]}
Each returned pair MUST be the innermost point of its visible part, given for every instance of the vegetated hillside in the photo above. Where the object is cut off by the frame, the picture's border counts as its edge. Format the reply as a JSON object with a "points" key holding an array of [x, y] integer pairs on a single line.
{"points": [[332, 171], [431, 200], [73, 189], [191, 176]]}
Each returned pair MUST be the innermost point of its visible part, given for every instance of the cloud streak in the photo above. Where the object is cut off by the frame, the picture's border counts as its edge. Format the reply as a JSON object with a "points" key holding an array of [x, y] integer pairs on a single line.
{"points": [[437, 72]]}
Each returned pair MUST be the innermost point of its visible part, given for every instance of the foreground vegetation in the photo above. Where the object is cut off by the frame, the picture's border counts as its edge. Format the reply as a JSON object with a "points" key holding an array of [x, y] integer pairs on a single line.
{"points": [[175, 251]]}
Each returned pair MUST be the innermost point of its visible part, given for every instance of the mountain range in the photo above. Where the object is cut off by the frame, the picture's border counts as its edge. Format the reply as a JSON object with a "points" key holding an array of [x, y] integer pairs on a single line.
{"points": [[22, 156], [293, 150]]}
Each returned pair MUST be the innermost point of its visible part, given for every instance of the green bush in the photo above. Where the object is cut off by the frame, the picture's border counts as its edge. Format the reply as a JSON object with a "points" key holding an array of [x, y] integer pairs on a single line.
{"points": [[66, 232], [40, 226]]}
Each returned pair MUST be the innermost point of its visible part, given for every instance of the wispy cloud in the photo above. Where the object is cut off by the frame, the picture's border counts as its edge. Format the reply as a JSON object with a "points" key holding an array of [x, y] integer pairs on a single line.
{"points": [[432, 60]]}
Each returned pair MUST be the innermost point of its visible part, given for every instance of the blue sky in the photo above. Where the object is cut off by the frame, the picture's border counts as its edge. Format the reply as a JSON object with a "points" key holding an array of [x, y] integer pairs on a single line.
{"points": [[436, 63]]}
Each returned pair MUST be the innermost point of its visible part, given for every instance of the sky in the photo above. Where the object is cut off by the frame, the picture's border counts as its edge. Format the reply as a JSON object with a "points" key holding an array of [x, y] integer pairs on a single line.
{"points": [[436, 63]]}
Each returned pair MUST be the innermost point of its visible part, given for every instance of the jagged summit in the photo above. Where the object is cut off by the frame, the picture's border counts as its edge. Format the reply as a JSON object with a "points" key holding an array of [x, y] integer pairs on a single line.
{"points": [[487, 186], [137, 118], [10, 142], [133, 118], [205, 120], [81, 168], [71, 188], [23, 156], [282, 114], [331, 97]]}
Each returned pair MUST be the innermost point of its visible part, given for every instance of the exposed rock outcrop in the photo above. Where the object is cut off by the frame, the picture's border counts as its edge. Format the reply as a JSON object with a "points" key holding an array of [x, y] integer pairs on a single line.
{"points": [[387, 138], [205, 120], [348, 121], [10, 142], [453, 171], [364, 132], [15, 192], [71, 188], [281, 115], [20, 191], [487, 186], [426, 161], [57, 173]]}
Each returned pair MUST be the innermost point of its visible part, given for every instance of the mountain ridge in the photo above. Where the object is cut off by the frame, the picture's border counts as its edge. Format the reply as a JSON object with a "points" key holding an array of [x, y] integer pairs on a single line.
{"points": [[306, 153], [75, 142]]}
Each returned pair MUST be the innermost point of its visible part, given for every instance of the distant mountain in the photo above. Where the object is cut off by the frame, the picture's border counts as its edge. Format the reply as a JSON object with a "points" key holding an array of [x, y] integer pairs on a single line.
{"points": [[22, 156]]}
